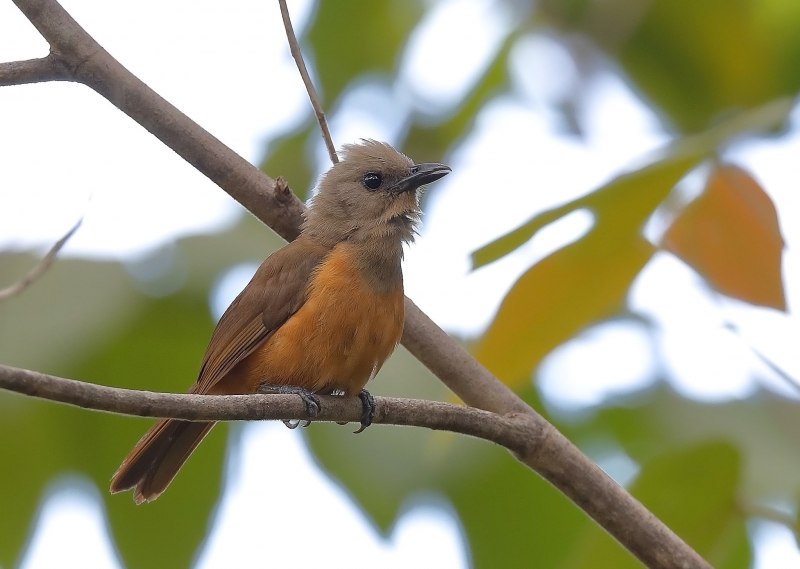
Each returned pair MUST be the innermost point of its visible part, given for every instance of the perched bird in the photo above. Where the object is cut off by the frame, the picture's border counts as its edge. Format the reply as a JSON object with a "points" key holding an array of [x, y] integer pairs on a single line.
{"points": [[320, 315]]}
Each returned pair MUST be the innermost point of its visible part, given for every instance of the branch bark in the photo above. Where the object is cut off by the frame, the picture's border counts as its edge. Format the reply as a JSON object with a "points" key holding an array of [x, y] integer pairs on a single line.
{"points": [[513, 432], [546, 451], [33, 71]]}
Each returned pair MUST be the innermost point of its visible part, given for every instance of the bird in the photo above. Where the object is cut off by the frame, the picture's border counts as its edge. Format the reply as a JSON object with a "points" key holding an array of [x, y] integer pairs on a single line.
{"points": [[321, 314]]}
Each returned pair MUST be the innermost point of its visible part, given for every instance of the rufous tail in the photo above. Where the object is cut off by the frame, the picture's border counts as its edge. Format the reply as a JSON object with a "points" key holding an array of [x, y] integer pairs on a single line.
{"points": [[155, 460]]}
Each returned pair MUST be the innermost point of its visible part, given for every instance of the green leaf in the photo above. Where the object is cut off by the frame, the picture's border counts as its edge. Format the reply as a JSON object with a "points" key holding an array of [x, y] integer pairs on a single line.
{"points": [[434, 138], [693, 491], [762, 427], [25, 473], [41, 328], [89, 322], [695, 61], [375, 465], [584, 281], [513, 518], [352, 37], [289, 157], [510, 516], [516, 238], [550, 303], [621, 206], [159, 350]]}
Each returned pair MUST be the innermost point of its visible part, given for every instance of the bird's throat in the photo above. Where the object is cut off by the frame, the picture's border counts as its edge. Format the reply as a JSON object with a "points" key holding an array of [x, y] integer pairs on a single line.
{"points": [[379, 263]]}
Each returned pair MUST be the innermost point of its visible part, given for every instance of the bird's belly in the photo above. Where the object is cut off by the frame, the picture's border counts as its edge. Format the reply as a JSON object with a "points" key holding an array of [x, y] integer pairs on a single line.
{"points": [[337, 340]]}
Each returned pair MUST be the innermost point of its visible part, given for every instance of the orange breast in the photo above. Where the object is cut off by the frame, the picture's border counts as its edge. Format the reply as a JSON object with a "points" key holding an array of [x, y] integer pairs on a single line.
{"points": [[338, 339]]}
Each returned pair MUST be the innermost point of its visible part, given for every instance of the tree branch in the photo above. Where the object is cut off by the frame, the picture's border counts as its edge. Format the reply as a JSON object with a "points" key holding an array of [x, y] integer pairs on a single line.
{"points": [[41, 268], [526, 436], [294, 48], [513, 432], [33, 71], [547, 451]]}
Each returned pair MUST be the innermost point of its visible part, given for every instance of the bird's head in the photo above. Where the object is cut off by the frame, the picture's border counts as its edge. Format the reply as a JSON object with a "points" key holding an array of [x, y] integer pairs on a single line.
{"points": [[372, 193]]}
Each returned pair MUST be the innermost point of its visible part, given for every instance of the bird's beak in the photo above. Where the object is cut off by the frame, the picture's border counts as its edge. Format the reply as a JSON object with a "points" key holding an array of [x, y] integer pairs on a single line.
{"points": [[421, 174]]}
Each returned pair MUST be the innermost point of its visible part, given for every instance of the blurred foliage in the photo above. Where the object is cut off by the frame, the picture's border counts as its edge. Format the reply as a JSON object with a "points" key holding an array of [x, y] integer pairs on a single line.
{"points": [[730, 235], [536, 316], [718, 70], [693, 490], [695, 60]]}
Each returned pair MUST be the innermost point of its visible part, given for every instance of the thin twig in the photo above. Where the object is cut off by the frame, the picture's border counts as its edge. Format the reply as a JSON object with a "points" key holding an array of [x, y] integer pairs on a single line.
{"points": [[294, 47], [792, 382], [784, 375], [770, 515], [41, 268]]}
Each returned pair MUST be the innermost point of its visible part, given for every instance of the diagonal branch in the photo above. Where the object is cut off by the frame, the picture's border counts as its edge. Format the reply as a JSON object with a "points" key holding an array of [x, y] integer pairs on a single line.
{"points": [[41, 268], [294, 48], [548, 452]]}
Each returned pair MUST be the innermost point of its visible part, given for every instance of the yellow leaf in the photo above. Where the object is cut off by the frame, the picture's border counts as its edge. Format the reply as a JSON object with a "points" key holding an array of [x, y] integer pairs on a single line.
{"points": [[579, 284], [730, 235], [584, 281]]}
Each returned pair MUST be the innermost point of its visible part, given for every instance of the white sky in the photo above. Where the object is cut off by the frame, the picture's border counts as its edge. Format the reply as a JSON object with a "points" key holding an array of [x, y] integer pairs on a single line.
{"points": [[66, 147]]}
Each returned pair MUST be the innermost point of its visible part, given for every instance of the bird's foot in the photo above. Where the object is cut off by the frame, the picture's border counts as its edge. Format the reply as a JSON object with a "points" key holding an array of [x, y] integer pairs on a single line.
{"points": [[310, 400], [367, 409]]}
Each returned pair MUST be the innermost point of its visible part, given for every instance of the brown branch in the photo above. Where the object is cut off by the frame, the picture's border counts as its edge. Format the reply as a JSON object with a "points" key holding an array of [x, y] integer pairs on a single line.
{"points": [[294, 48], [523, 434], [546, 451], [33, 71], [513, 432], [41, 268]]}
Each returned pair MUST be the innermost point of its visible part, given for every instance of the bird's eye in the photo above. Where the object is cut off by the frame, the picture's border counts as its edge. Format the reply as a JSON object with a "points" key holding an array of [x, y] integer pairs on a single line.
{"points": [[372, 180]]}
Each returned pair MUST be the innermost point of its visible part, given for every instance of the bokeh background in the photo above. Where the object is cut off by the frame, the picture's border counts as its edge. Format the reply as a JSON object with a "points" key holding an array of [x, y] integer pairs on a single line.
{"points": [[617, 242]]}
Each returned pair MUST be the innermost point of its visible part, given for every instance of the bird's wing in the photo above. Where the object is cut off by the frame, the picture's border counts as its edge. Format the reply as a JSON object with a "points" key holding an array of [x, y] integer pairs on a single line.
{"points": [[277, 290]]}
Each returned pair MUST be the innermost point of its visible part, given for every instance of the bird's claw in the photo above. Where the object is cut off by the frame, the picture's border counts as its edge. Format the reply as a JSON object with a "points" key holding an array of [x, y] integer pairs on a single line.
{"points": [[367, 409], [311, 401]]}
